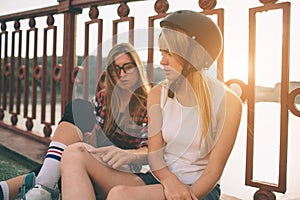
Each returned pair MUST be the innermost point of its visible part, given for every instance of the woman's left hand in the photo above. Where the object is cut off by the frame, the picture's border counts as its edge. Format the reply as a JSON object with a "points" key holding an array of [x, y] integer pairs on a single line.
{"points": [[113, 156]]}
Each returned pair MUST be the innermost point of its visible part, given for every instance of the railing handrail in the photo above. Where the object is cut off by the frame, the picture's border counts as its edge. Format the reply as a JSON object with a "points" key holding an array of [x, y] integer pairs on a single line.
{"points": [[88, 3], [57, 9], [28, 14], [13, 74]]}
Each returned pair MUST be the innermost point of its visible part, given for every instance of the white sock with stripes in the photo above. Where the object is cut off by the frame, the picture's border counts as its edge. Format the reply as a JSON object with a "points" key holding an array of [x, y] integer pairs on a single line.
{"points": [[50, 171], [4, 193]]}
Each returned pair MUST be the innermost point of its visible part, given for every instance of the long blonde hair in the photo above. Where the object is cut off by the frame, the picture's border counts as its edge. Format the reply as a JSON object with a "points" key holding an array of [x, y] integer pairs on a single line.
{"points": [[139, 96], [192, 57]]}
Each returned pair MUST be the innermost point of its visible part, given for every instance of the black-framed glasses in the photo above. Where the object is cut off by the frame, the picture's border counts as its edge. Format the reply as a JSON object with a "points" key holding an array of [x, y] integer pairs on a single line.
{"points": [[127, 68]]}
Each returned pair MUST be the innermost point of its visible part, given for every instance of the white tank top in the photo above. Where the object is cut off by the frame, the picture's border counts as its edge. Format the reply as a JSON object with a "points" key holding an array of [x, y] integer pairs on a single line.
{"points": [[183, 154]]}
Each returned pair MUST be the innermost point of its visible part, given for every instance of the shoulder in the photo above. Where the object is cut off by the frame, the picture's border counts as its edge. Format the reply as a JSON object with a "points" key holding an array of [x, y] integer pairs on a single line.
{"points": [[233, 98], [102, 92], [155, 92], [99, 100], [230, 105], [154, 95], [100, 96], [233, 102], [221, 92]]}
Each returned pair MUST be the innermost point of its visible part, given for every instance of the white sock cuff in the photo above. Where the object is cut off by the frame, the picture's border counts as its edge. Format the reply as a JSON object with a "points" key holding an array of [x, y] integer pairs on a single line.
{"points": [[57, 144], [55, 150], [5, 190]]}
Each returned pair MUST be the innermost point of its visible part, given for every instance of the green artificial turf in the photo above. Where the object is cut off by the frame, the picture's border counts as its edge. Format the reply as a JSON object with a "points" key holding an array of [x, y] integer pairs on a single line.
{"points": [[13, 164]]}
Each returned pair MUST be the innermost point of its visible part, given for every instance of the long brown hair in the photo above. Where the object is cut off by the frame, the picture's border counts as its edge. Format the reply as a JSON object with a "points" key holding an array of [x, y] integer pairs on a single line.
{"points": [[138, 99]]}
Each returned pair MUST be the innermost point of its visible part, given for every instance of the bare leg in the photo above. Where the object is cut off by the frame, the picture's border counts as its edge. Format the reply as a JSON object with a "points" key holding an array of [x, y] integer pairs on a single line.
{"points": [[13, 185], [67, 133], [81, 170], [147, 192]]}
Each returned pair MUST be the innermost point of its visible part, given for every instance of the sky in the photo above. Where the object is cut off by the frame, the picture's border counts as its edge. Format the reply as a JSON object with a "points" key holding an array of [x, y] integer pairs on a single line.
{"points": [[236, 33]]}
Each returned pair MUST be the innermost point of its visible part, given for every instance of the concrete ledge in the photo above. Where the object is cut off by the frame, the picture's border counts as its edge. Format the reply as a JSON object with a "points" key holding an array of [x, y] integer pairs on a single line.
{"points": [[21, 145]]}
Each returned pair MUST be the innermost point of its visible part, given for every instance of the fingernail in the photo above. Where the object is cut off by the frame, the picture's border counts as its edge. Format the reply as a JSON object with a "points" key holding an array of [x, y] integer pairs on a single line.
{"points": [[90, 150]]}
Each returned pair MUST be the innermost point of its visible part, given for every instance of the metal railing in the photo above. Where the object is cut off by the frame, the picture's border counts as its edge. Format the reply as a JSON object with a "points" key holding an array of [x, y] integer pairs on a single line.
{"points": [[32, 87]]}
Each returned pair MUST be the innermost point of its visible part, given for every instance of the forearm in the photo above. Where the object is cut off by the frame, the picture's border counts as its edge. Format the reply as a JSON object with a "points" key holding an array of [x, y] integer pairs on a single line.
{"points": [[140, 155], [160, 168], [205, 183], [173, 188], [165, 175]]}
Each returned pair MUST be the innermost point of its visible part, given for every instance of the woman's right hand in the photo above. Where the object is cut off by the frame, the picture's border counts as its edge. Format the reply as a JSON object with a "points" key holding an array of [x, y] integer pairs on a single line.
{"points": [[175, 190], [113, 156]]}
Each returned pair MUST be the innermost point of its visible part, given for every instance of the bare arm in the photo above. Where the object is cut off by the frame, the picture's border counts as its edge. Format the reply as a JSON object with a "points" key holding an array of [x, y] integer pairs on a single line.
{"points": [[173, 187], [228, 125], [116, 157]]}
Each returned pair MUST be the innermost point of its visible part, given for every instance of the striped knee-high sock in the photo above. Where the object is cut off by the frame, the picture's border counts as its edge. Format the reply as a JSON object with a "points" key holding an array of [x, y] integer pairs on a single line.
{"points": [[50, 171], [4, 191]]}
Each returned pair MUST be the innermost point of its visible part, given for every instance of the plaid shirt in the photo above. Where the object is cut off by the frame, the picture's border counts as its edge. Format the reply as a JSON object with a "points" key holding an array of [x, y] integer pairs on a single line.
{"points": [[135, 135]]}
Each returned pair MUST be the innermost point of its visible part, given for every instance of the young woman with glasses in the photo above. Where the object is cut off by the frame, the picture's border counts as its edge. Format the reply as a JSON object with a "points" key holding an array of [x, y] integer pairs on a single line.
{"points": [[123, 119], [117, 115]]}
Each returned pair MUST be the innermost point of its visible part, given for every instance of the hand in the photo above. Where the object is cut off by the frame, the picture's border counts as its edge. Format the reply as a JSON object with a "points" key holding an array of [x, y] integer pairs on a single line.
{"points": [[175, 190], [113, 156]]}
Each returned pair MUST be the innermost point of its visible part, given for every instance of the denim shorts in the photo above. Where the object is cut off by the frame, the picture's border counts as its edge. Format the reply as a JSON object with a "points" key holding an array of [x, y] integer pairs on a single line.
{"points": [[214, 194], [149, 179]]}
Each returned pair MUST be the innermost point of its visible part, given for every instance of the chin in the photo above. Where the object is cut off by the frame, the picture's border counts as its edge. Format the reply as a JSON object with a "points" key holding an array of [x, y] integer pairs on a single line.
{"points": [[172, 78], [125, 86]]}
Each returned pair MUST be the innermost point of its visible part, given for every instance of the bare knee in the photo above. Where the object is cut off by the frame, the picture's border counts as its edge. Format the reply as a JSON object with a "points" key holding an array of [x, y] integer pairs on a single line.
{"points": [[67, 133], [73, 153], [119, 192]]}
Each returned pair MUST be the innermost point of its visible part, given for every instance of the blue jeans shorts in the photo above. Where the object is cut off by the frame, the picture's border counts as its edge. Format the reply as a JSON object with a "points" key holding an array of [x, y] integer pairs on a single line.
{"points": [[149, 179]]}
